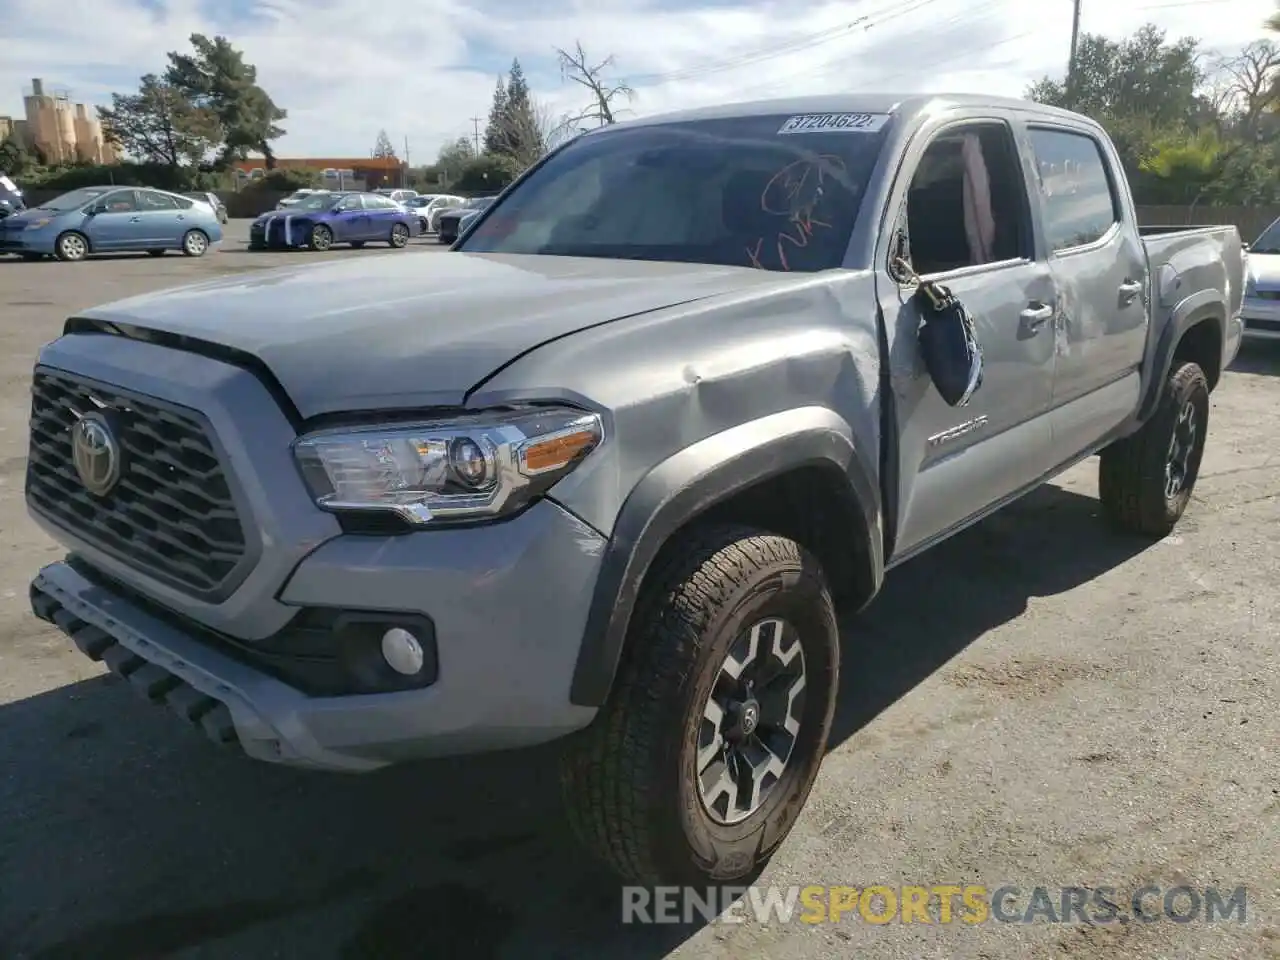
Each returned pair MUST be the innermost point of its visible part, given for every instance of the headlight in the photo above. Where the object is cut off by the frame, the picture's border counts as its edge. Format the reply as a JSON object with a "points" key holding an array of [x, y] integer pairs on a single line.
{"points": [[468, 467], [37, 224]]}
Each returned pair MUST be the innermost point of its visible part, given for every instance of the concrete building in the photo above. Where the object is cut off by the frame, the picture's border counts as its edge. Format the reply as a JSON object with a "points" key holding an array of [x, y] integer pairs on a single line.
{"points": [[58, 130]]}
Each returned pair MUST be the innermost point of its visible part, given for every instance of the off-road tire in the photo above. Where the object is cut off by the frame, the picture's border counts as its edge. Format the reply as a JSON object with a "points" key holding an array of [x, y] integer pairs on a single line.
{"points": [[1131, 472], [629, 779]]}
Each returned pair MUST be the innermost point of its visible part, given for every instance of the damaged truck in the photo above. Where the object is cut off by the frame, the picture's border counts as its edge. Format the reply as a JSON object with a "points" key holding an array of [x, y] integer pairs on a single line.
{"points": [[714, 375]]}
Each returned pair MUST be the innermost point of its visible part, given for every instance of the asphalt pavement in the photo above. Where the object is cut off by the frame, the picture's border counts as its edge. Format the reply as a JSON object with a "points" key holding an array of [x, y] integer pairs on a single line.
{"points": [[1037, 702]]}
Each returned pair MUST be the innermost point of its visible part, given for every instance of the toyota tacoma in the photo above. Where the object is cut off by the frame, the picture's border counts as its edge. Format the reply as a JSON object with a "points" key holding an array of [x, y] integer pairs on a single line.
{"points": [[714, 374]]}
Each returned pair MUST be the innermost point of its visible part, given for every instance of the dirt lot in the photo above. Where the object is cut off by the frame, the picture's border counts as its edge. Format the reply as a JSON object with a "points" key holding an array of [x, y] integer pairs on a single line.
{"points": [[1036, 703]]}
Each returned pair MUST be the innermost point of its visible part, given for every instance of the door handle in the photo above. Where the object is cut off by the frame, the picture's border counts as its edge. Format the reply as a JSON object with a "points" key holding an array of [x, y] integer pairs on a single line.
{"points": [[181, 217], [1129, 291], [135, 219], [1037, 315]]}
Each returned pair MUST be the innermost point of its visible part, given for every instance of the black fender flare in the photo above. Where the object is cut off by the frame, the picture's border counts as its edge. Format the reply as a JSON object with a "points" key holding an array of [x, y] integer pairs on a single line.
{"points": [[685, 486], [1207, 305]]}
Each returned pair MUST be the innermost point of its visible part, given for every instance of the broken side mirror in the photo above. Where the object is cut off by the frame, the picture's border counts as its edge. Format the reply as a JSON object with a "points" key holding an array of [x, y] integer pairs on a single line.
{"points": [[948, 340]]}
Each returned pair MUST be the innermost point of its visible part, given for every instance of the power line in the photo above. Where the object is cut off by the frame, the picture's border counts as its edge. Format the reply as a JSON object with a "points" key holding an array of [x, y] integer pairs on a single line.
{"points": [[795, 45], [828, 66]]}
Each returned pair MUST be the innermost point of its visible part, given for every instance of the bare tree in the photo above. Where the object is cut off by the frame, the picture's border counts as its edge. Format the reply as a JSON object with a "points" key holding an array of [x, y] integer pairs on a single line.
{"points": [[603, 108], [1246, 86]]}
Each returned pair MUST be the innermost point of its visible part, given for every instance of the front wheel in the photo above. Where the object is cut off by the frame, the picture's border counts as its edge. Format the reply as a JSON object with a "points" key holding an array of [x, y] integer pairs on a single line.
{"points": [[399, 235], [321, 237], [195, 243], [1145, 480], [71, 247], [698, 765]]}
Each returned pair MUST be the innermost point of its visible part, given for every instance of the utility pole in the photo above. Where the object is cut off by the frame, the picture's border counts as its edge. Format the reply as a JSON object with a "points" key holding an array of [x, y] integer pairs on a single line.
{"points": [[404, 177], [475, 123], [1071, 64]]}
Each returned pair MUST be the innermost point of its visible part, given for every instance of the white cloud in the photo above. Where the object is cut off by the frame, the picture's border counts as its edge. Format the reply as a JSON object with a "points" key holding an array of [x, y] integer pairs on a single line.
{"points": [[345, 68]]}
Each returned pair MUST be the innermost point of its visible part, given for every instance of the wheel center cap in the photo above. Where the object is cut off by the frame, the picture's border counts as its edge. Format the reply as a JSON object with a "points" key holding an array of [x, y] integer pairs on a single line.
{"points": [[750, 718]]}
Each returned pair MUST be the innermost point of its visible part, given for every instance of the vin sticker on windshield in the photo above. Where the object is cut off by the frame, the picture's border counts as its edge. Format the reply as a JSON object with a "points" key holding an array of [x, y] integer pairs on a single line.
{"points": [[835, 123]]}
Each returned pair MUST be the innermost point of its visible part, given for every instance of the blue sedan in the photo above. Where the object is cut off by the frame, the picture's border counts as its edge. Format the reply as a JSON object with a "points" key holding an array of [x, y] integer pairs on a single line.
{"points": [[111, 220], [323, 219]]}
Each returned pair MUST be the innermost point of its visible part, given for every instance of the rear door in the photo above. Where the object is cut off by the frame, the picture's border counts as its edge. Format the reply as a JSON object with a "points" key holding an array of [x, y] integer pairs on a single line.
{"points": [[1100, 268], [383, 212], [162, 219]]}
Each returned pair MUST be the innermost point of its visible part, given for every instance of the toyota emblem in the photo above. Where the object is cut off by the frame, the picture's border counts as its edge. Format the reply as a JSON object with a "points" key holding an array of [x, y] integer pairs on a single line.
{"points": [[95, 453]]}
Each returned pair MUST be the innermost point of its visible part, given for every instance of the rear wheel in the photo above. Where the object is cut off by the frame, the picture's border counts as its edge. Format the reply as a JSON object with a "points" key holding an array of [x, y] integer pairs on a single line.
{"points": [[399, 235], [321, 237], [1145, 481], [71, 246], [195, 243], [699, 764]]}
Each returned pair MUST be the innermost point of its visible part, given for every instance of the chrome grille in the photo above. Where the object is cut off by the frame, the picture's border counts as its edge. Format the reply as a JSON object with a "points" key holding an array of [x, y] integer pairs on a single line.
{"points": [[171, 515]]}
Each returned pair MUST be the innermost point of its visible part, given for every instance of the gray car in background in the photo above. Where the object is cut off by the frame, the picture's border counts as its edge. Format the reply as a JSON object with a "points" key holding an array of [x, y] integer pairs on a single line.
{"points": [[715, 375]]}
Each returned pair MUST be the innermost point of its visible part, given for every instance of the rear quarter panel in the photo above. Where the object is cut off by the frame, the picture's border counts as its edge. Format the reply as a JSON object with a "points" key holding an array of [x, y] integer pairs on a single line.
{"points": [[1196, 274]]}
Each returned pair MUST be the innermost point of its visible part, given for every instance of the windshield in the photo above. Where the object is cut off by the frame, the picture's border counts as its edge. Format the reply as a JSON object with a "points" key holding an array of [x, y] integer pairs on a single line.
{"points": [[1269, 242], [772, 192], [76, 198]]}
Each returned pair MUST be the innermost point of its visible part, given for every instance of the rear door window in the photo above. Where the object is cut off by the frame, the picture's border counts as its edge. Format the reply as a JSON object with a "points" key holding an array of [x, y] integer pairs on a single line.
{"points": [[1076, 191]]}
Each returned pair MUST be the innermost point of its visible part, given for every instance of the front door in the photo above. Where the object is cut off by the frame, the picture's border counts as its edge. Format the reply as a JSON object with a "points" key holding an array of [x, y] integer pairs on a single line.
{"points": [[113, 224], [969, 228], [351, 222]]}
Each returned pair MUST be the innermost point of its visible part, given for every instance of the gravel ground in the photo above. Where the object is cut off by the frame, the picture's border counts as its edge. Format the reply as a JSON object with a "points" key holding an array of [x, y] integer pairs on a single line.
{"points": [[1036, 702]]}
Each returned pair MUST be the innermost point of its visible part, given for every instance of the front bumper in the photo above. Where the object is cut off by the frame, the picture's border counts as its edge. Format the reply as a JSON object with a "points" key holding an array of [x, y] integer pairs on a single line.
{"points": [[1261, 318], [280, 232], [26, 241], [509, 602]]}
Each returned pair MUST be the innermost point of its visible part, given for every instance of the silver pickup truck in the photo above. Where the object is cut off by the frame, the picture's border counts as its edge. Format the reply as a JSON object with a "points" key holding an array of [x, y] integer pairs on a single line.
{"points": [[688, 415]]}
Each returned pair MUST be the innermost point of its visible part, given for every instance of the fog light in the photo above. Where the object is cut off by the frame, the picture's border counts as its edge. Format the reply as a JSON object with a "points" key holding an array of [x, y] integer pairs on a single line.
{"points": [[402, 651]]}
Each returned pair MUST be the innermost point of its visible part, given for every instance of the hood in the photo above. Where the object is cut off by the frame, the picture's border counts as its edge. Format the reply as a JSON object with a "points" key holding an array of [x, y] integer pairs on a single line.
{"points": [[415, 329]]}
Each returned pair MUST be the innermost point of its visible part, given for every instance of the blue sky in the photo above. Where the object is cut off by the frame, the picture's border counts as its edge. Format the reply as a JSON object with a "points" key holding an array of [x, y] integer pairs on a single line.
{"points": [[346, 68]]}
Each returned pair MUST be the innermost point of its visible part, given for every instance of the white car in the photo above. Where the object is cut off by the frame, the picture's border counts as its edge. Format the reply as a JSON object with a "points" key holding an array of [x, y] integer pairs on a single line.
{"points": [[400, 196], [442, 202], [428, 205], [297, 197], [1261, 308]]}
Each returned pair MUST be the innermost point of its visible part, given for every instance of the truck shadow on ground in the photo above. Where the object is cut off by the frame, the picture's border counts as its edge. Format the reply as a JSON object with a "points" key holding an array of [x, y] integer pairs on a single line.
{"points": [[130, 837]]}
